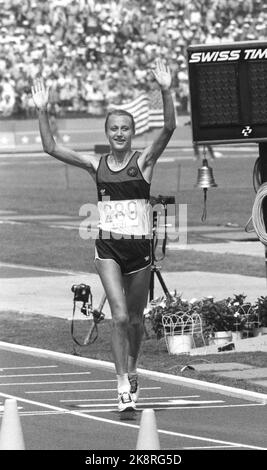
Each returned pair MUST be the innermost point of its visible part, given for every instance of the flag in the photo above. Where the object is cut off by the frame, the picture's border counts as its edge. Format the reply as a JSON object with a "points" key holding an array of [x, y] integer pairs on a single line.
{"points": [[139, 108], [156, 118], [146, 110]]}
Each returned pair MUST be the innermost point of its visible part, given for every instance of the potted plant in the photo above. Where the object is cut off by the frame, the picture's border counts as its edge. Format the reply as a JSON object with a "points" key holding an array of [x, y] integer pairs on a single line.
{"points": [[261, 310], [235, 305], [170, 318], [218, 320], [222, 321], [165, 306]]}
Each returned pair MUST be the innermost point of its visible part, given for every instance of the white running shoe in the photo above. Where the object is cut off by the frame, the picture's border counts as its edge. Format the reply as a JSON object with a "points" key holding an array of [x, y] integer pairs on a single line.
{"points": [[125, 402]]}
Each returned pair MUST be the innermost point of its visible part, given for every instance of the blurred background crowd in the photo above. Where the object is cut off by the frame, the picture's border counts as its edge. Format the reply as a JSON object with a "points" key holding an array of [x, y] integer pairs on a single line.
{"points": [[95, 52]]}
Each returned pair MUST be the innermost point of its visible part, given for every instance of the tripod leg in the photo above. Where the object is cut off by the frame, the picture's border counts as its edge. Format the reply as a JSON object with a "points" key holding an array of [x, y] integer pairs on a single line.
{"points": [[151, 287], [163, 285], [102, 302], [144, 324], [93, 326]]}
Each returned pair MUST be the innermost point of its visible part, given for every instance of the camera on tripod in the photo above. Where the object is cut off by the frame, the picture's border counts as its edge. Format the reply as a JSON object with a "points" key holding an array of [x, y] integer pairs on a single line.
{"points": [[82, 293]]}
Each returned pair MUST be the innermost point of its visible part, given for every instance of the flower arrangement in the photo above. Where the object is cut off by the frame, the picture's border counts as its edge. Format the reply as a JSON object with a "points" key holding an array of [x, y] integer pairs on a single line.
{"points": [[165, 306], [261, 309], [230, 314]]}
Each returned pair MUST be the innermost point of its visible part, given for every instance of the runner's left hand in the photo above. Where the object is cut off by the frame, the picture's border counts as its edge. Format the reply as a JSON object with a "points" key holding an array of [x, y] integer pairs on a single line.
{"points": [[162, 74]]}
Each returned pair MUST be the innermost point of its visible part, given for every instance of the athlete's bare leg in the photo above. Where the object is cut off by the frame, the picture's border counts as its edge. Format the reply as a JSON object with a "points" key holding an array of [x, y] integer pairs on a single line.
{"points": [[112, 280], [136, 290]]}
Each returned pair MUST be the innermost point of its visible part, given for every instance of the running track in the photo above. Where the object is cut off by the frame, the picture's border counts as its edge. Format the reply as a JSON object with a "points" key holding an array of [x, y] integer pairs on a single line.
{"points": [[70, 404]]}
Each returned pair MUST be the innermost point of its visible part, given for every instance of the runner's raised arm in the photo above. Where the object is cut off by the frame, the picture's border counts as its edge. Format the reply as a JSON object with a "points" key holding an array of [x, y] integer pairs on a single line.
{"points": [[150, 154], [40, 95]]}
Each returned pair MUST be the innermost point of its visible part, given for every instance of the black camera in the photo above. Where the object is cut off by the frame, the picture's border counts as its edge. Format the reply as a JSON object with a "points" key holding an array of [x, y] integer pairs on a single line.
{"points": [[81, 292]]}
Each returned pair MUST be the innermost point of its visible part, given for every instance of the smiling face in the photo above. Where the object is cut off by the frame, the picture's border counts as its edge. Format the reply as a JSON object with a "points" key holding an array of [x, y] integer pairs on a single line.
{"points": [[119, 131]]}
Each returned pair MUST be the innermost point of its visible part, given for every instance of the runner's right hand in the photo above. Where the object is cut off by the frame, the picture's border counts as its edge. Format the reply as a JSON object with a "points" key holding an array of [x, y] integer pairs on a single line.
{"points": [[40, 94]]}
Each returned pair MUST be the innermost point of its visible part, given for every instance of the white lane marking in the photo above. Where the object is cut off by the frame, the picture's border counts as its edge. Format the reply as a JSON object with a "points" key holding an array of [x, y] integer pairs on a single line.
{"points": [[44, 375], [167, 403], [209, 447], [26, 367], [121, 423], [170, 407], [48, 383], [40, 413], [143, 398], [186, 407], [185, 402], [88, 390]]}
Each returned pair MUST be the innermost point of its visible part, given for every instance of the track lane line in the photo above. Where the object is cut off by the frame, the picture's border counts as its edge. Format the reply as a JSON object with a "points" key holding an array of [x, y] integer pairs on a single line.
{"points": [[25, 367], [44, 375], [128, 425], [83, 390], [143, 398]]}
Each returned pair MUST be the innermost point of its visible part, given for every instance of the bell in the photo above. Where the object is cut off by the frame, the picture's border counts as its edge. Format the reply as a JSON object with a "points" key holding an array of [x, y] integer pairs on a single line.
{"points": [[205, 177], [205, 180]]}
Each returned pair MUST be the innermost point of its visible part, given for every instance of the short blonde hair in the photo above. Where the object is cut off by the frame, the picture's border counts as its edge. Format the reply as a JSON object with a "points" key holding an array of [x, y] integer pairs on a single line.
{"points": [[119, 112]]}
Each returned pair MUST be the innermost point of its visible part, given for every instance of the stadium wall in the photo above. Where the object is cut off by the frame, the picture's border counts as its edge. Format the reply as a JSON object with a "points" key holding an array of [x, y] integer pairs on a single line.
{"points": [[80, 134]]}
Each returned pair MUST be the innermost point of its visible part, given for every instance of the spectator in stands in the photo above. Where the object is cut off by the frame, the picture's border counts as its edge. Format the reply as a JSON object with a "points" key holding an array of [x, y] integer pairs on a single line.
{"points": [[80, 35], [7, 101]]}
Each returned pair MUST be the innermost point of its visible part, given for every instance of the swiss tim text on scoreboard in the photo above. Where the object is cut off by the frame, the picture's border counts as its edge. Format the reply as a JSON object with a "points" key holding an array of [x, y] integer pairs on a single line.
{"points": [[228, 92]]}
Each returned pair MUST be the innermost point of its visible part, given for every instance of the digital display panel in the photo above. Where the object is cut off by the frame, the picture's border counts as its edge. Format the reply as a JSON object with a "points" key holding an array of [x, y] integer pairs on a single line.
{"points": [[257, 75], [218, 95], [228, 92]]}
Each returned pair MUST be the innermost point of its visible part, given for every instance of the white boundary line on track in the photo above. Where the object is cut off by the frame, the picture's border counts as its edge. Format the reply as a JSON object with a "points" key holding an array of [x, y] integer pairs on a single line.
{"points": [[77, 391], [26, 367], [168, 404], [143, 398], [44, 375], [22, 384], [135, 426], [169, 407], [160, 376]]}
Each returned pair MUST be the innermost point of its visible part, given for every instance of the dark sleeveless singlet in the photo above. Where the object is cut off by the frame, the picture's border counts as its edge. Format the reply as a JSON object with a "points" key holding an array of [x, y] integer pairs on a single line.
{"points": [[124, 212]]}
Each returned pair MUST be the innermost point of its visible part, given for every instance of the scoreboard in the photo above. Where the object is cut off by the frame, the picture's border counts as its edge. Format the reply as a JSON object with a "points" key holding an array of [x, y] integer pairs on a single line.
{"points": [[228, 92]]}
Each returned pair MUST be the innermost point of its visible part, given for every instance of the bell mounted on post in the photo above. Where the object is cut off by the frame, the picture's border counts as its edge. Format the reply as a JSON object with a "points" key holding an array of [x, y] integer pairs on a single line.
{"points": [[205, 180]]}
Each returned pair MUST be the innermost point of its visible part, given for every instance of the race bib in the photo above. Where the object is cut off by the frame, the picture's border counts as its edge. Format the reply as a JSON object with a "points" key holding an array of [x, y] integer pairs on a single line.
{"points": [[124, 215]]}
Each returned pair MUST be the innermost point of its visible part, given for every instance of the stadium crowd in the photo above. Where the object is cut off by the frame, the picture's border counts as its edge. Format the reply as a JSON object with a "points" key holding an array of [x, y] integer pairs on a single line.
{"points": [[96, 52]]}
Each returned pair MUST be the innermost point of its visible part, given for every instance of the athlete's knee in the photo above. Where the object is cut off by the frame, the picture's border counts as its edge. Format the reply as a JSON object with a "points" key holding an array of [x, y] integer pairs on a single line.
{"points": [[136, 317], [120, 319]]}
